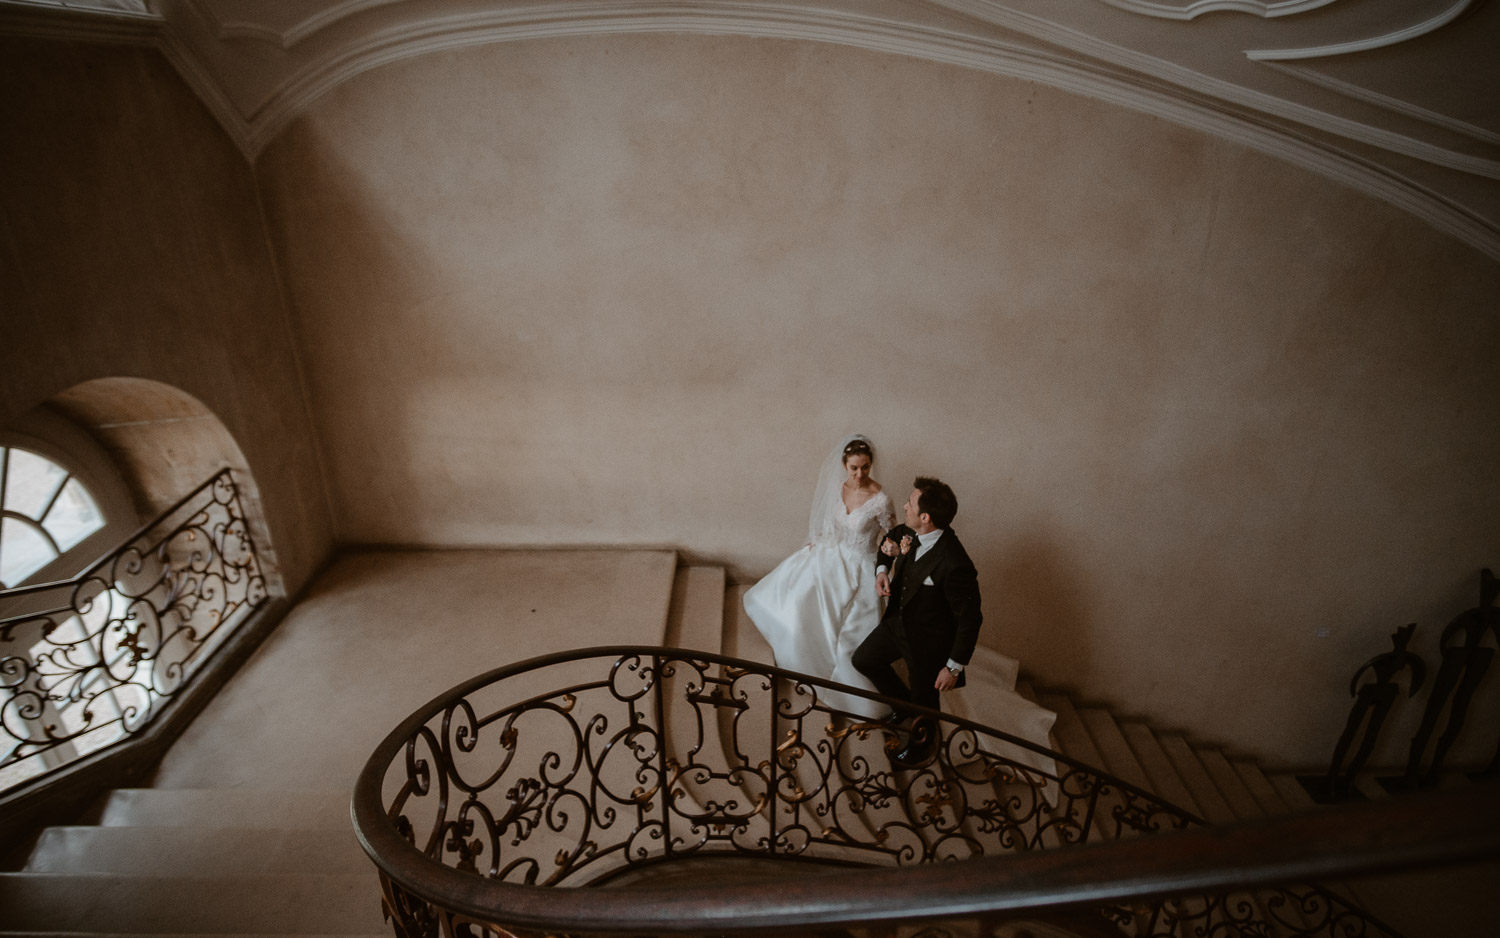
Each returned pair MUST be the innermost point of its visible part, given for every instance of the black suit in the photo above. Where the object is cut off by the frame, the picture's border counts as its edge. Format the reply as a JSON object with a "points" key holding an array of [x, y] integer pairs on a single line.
{"points": [[932, 615]]}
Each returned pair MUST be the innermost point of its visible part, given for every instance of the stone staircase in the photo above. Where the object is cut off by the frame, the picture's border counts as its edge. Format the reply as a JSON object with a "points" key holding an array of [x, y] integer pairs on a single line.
{"points": [[260, 861], [201, 862], [1200, 778]]}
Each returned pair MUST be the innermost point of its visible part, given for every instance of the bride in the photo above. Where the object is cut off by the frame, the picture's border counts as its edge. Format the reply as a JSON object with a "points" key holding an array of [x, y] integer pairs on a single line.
{"points": [[818, 604]]}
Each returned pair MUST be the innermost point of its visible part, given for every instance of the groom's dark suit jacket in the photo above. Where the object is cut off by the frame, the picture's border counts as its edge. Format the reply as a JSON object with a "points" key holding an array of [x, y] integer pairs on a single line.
{"points": [[938, 621]]}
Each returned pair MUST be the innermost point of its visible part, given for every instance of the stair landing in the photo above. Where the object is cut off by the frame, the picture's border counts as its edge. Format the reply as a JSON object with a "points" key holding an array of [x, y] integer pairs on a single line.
{"points": [[407, 624]]}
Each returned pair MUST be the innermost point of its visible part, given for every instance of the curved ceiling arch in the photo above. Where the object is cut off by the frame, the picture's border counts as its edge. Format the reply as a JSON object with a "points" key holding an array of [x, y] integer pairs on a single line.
{"points": [[878, 34], [1392, 149]]}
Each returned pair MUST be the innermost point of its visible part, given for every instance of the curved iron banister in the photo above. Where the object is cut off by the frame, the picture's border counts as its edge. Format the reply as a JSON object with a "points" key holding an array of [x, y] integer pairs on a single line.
{"points": [[92, 659], [420, 887], [87, 572]]}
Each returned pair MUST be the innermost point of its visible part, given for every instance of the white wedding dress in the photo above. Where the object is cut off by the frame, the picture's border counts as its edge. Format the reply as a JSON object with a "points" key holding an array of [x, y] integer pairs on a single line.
{"points": [[818, 604]]}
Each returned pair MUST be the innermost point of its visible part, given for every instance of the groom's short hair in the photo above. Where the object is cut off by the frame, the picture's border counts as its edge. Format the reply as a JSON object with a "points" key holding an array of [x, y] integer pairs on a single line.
{"points": [[936, 500]]}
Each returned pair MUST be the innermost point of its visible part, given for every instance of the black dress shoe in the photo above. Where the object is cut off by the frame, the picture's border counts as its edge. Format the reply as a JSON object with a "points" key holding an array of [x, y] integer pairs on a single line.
{"points": [[914, 756], [894, 718], [920, 747]]}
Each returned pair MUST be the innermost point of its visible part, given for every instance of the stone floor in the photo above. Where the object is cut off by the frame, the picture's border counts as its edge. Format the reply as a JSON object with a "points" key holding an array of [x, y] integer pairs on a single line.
{"points": [[406, 625]]}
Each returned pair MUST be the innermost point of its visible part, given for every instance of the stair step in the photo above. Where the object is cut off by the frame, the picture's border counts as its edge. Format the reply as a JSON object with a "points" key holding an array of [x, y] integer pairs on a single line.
{"points": [[1118, 758], [291, 904], [1072, 737], [1153, 759], [1073, 741], [307, 809], [696, 617], [741, 638], [1260, 787], [183, 851], [1367, 784], [1026, 690], [1212, 806], [1292, 792], [1241, 802]]}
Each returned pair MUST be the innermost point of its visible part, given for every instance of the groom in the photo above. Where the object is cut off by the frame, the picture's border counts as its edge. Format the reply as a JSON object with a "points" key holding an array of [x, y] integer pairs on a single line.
{"points": [[932, 618]]}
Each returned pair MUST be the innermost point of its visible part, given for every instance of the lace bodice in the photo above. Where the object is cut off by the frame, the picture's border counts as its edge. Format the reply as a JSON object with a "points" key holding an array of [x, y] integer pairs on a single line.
{"points": [[860, 529]]}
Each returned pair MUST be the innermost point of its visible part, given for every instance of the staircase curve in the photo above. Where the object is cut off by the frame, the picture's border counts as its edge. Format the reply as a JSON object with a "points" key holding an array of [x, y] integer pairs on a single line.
{"points": [[588, 767], [236, 849]]}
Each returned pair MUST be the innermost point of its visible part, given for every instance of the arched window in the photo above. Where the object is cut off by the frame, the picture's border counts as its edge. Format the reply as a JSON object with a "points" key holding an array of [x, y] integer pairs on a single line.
{"points": [[44, 512]]}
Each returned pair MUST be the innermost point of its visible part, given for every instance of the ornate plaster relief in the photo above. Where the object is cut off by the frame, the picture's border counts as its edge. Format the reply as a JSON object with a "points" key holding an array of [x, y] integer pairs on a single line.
{"points": [[286, 25], [1431, 24], [1196, 8]]}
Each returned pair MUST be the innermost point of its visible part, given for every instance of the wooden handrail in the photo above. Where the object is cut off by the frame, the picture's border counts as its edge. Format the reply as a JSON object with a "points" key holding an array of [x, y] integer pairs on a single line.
{"points": [[1417, 831], [1408, 833]]}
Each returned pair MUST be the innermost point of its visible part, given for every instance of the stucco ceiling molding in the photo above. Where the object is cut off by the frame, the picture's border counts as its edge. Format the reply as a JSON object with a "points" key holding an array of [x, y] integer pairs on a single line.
{"points": [[1380, 41], [287, 37], [120, 27], [1338, 125], [1082, 65], [211, 93], [1196, 8], [1387, 102], [763, 20]]}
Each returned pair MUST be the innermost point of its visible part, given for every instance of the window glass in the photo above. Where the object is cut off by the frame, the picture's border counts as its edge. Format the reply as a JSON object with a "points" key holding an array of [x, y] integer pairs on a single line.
{"points": [[73, 517], [46, 512], [30, 483], [23, 551]]}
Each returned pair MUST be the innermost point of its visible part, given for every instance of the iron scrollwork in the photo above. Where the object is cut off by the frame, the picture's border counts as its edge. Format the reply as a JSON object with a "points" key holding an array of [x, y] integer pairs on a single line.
{"points": [[91, 660], [654, 755]]}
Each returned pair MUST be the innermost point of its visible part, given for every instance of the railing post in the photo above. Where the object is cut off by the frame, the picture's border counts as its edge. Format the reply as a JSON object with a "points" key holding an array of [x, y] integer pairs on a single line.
{"points": [[771, 804], [663, 788], [1088, 816]]}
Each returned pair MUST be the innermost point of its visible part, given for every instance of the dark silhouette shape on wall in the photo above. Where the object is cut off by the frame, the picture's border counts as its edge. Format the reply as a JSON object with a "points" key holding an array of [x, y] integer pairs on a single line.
{"points": [[1465, 661], [1372, 704]]}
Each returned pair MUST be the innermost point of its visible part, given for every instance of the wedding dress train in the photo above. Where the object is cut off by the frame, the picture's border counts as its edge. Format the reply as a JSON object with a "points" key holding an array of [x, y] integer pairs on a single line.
{"points": [[818, 604]]}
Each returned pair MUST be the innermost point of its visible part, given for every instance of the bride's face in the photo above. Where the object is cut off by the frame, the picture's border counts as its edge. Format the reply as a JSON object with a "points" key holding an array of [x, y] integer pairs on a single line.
{"points": [[858, 467]]}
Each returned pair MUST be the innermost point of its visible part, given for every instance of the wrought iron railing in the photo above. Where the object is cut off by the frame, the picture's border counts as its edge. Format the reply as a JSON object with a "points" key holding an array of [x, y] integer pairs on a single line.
{"points": [[91, 660], [581, 768]]}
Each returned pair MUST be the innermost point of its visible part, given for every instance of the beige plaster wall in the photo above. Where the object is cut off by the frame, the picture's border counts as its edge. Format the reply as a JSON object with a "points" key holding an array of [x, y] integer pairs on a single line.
{"points": [[1217, 425], [131, 244]]}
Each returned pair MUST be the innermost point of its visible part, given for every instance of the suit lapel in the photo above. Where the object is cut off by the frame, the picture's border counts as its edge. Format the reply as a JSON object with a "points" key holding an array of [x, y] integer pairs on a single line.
{"points": [[899, 567], [918, 568]]}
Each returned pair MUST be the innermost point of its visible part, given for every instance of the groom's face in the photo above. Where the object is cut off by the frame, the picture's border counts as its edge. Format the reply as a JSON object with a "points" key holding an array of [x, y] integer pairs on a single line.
{"points": [[914, 516]]}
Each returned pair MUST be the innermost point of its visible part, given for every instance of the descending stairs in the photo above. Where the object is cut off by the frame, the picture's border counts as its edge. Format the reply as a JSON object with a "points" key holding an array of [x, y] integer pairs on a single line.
{"points": [[262, 862], [199, 861], [1199, 778]]}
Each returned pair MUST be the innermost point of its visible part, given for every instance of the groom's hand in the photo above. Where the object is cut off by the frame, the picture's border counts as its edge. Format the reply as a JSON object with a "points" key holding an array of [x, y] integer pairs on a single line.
{"points": [[945, 680], [882, 584]]}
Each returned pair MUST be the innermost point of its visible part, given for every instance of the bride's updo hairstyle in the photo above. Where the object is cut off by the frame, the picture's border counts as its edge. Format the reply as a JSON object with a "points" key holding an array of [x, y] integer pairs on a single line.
{"points": [[858, 448]]}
